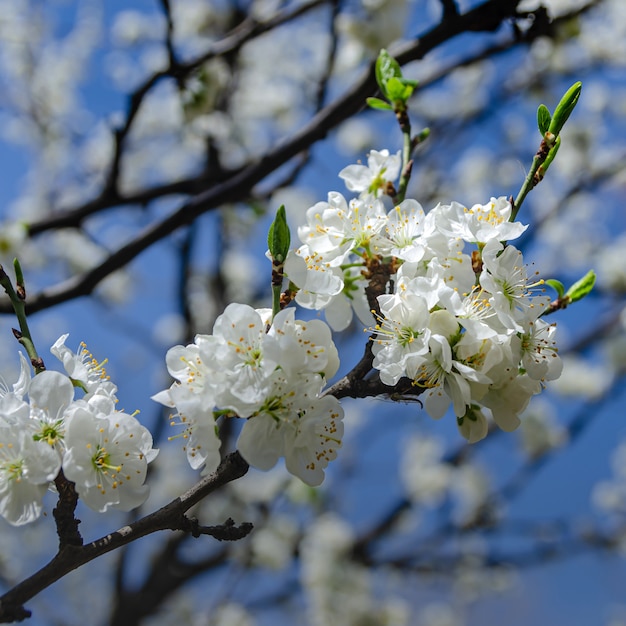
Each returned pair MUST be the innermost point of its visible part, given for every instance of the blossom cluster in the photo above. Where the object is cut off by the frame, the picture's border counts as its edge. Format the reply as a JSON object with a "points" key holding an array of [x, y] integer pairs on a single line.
{"points": [[461, 316], [45, 428], [270, 372]]}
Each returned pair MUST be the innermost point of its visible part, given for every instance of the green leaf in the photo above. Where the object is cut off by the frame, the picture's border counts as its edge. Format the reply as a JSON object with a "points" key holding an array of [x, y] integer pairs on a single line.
{"points": [[581, 287], [400, 89], [395, 89], [377, 103], [543, 119], [565, 108], [279, 237], [386, 68], [557, 285]]}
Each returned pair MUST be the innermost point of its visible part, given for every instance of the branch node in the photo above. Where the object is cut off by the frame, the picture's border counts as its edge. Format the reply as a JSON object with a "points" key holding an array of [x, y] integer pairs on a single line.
{"points": [[228, 531]]}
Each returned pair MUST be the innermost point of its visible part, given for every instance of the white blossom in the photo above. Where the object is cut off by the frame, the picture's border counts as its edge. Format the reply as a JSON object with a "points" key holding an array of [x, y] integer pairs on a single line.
{"points": [[539, 352], [374, 179], [295, 422], [401, 335], [405, 234], [272, 374], [193, 394], [473, 425], [13, 408], [107, 458], [337, 227], [300, 346], [505, 278], [481, 223], [51, 394], [26, 469], [83, 368]]}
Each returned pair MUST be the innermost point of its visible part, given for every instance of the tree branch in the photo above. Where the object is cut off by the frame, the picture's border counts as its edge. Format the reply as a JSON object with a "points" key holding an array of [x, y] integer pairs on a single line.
{"points": [[169, 517]]}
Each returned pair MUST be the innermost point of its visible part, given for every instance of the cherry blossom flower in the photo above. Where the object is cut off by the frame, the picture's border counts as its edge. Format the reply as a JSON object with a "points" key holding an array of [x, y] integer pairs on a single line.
{"points": [[194, 396], [473, 425], [300, 346], [51, 394], [481, 223], [199, 434], [26, 469], [237, 355], [337, 227], [505, 278], [13, 408], [338, 291], [312, 273], [107, 458], [374, 179], [540, 356], [295, 422], [83, 368], [409, 233], [401, 335], [508, 400]]}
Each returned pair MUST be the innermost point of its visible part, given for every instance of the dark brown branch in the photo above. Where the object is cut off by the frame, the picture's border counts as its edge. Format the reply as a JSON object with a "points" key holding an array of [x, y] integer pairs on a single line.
{"points": [[228, 531], [170, 517], [450, 10], [169, 37], [67, 524]]}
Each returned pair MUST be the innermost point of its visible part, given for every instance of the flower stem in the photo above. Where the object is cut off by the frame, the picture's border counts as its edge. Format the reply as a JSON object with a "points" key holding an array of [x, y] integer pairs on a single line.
{"points": [[407, 147], [276, 291], [17, 298], [535, 175], [278, 273]]}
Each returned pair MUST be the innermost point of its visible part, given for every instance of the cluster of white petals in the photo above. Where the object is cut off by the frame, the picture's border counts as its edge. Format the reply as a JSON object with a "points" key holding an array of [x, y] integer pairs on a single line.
{"points": [[461, 317], [273, 374], [337, 236], [44, 428]]}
